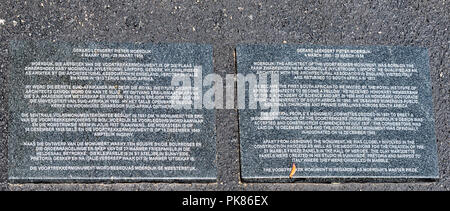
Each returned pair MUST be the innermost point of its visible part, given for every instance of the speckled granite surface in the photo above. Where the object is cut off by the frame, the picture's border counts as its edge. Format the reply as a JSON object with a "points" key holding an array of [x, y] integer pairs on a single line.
{"points": [[224, 24], [327, 137], [149, 158]]}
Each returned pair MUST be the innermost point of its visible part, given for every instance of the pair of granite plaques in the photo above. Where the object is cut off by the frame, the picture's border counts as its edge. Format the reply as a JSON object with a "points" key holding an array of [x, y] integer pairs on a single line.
{"points": [[140, 112]]}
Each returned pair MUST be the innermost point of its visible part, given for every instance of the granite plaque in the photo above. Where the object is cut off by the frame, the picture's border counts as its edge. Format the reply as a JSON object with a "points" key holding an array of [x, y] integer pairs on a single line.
{"points": [[105, 112], [335, 113]]}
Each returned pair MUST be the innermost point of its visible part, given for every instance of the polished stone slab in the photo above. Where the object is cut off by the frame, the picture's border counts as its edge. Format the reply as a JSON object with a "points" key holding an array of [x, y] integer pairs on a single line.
{"points": [[89, 112], [345, 113]]}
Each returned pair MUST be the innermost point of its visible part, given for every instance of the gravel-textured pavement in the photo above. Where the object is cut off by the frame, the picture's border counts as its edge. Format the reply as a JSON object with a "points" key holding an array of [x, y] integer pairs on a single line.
{"points": [[225, 24]]}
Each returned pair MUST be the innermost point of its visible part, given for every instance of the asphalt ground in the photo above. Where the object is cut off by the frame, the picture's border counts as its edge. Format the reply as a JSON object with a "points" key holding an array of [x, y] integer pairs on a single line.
{"points": [[225, 24]]}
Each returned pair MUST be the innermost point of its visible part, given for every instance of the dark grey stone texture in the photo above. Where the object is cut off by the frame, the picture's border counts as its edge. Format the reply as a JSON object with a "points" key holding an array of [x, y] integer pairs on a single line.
{"points": [[3, 186], [101, 162], [363, 86], [224, 24]]}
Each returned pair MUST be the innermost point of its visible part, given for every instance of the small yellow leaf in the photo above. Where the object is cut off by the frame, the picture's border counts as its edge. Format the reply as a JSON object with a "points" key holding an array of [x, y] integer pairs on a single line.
{"points": [[293, 170]]}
